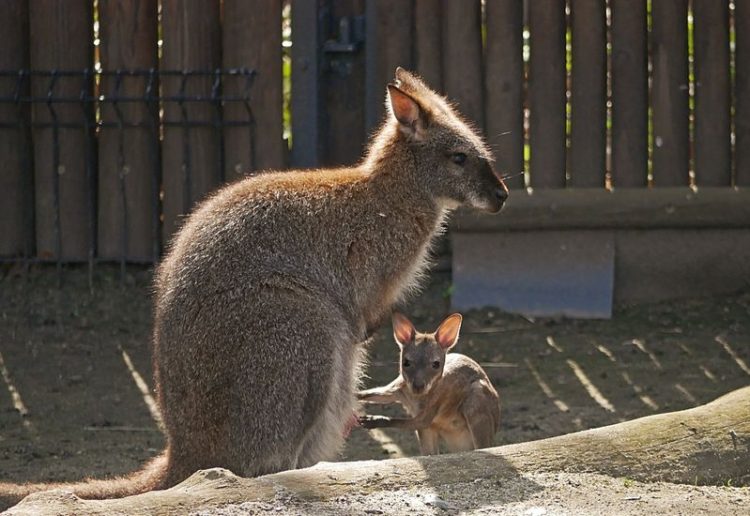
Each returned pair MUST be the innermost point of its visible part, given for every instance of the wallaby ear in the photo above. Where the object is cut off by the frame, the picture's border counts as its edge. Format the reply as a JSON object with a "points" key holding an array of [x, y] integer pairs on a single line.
{"points": [[410, 115], [447, 333], [403, 330]]}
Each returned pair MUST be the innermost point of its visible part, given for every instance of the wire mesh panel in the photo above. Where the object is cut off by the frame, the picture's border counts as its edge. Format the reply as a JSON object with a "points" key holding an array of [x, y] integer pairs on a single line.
{"points": [[113, 115]]}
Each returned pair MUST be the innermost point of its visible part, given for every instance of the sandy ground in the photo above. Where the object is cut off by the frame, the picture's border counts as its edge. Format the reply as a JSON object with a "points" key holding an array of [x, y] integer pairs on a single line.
{"points": [[76, 375]]}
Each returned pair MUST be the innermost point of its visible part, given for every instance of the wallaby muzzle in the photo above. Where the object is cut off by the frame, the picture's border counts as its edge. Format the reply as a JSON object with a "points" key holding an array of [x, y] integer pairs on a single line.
{"points": [[499, 192]]}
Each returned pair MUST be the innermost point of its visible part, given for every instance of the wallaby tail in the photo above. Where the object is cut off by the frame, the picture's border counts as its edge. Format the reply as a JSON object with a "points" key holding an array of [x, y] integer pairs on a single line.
{"points": [[151, 476]]}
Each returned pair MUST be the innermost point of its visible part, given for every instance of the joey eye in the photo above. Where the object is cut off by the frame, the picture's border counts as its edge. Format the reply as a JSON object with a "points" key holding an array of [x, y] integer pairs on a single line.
{"points": [[436, 364], [406, 363], [459, 158]]}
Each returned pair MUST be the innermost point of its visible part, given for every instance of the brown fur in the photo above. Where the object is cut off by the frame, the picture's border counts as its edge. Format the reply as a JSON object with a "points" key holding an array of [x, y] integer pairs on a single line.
{"points": [[447, 396], [274, 281]]}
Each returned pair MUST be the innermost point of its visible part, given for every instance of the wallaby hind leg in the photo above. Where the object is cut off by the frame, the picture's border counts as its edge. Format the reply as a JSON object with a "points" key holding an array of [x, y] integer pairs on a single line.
{"points": [[428, 441], [325, 437], [290, 385], [481, 411]]}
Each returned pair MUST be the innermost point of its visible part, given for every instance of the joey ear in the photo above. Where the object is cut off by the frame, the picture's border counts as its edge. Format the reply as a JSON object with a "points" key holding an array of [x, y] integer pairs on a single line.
{"points": [[410, 115], [403, 330], [447, 333]]}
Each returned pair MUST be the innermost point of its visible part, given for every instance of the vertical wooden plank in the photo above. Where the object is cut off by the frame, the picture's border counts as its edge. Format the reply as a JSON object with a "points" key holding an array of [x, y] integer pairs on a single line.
{"points": [[547, 93], [670, 92], [462, 57], [712, 117], [190, 164], [344, 91], [15, 186], [742, 92], [588, 139], [62, 39], [306, 90], [504, 87], [252, 39], [389, 23], [629, 93], [126, 160], [428, 42]]}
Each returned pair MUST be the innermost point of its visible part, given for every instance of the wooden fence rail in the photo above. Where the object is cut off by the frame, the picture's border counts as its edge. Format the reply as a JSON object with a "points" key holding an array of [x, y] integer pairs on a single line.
{"points": [[108, 135]]}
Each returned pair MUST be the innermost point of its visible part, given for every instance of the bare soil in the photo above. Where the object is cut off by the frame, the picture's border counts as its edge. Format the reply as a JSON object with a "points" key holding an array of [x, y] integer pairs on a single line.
{"points": [[71, 356]]}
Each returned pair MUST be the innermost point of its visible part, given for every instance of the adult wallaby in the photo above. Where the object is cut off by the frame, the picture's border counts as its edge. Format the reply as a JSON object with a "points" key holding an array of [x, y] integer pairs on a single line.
{"points": [[273, 282], [447, 396]]}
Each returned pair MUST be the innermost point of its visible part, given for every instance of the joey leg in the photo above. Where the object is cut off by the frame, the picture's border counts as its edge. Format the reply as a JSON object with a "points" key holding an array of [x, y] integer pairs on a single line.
{"points": [[482, 415], [428, 441]]}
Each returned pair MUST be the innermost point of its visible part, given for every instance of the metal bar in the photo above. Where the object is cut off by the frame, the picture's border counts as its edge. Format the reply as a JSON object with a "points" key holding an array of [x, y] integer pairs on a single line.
{"points": [[121, 173], [152, 104], [186, 186], [88, 117], [55, 177], [218, 132]]}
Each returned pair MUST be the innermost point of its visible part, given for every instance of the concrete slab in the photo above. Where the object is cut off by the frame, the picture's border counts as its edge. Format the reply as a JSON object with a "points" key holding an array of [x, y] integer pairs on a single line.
{"points": [[536, 273]]}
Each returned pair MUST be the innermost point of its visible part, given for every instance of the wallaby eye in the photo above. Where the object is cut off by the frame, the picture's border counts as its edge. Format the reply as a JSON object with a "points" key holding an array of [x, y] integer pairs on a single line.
{"points": [[436, 364], [406, 363], [459, 158]]}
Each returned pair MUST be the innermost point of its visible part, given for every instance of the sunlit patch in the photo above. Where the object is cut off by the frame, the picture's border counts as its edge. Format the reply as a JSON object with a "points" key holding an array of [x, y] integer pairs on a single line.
{"points": [[606, 352], [386, 443], [561, 406], [591, 389], [554, 345], [642, 347], [15, 397], [708, 374], [645, 398], [741, 363], [148, 399], [686, 393]]}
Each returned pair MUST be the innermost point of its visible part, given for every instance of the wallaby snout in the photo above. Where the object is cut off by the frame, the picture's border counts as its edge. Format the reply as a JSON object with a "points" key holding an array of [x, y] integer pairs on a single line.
{"points": [[497, 188]]}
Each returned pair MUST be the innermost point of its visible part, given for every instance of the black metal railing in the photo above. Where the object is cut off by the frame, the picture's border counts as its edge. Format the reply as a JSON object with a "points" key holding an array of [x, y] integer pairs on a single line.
{"points": [[48, 99]]}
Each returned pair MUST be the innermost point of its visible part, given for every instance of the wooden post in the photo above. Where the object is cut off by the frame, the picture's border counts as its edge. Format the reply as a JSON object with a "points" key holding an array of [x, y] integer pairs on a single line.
{"points": [[389, 23], [547, 93], [712, 119], [344, 91], [670, 92], [462, 57], [306, 85], [16, 226], [62, 39], [629, 94], [190, 156], [252, 39], [589, 93], [742, 92], [504, 87], [428, 43], [127, 188]]}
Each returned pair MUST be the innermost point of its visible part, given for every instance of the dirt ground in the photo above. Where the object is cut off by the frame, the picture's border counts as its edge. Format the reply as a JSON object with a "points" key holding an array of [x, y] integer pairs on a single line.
{"points": [[75, 369]]}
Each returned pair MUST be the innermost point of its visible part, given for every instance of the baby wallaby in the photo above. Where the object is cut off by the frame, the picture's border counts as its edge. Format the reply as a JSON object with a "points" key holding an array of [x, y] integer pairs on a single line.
{"points": [[448, 396]]}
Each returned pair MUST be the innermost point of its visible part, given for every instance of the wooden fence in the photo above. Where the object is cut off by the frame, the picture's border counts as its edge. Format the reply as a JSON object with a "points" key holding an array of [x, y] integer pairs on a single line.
{"points": [[101, 164], [116, 116]]}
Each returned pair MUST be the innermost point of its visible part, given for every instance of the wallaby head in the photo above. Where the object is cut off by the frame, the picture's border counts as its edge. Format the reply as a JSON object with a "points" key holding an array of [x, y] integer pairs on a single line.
{"points": [[450, 159], [423, 354]]}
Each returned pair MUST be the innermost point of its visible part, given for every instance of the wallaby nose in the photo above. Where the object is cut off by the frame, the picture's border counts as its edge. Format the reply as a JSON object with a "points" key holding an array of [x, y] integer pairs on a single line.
{"points": [[418, 386], [501, 193]]}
